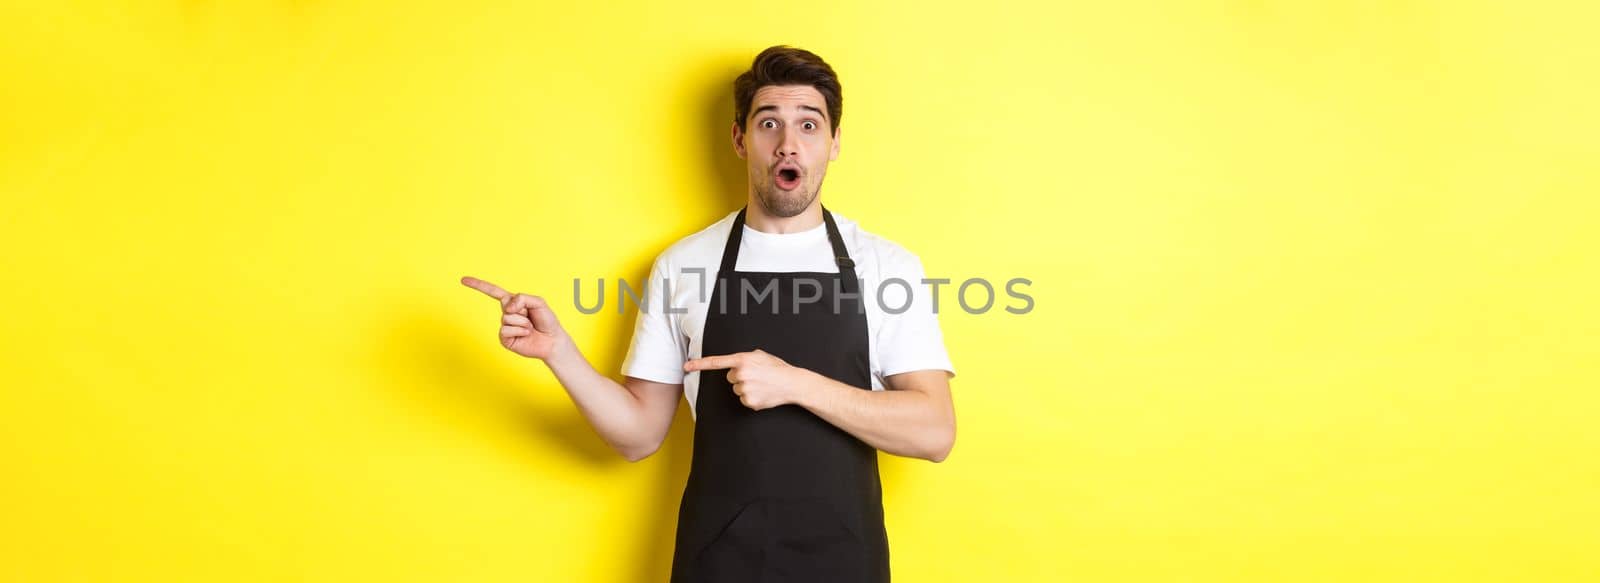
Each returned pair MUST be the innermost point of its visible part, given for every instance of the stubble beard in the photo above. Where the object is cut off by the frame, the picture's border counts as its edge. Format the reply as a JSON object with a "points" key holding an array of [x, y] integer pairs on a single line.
{"points": [[782, 204]]}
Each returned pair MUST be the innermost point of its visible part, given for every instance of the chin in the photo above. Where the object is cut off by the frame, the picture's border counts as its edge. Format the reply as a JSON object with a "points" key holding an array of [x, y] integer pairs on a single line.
{"points": [[785, 204]]}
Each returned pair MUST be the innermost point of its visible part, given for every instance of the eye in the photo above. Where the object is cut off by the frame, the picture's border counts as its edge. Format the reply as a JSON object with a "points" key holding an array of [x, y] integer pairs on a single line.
{"points": [[769, 123], [810, 125]]}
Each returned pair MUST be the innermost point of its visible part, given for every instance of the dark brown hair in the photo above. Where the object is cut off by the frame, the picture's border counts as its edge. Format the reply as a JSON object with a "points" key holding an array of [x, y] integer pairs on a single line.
{"points": [[786, 65]]}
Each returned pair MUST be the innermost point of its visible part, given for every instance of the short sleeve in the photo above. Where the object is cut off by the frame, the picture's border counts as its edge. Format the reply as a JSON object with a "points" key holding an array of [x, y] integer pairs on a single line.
{"points": [[910, 340], [658, 350]]}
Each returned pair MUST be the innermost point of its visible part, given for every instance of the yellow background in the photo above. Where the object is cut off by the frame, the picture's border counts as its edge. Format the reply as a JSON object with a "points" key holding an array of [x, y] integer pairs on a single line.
{"points": [[1314, 281]]}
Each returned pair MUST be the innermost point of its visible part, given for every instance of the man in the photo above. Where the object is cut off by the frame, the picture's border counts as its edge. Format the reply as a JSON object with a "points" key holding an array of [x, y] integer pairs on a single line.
{"points": [[795, 369]]}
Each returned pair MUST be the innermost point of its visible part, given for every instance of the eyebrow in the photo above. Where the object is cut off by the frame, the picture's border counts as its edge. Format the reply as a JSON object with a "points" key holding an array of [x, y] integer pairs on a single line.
{"points": [[770, 107]]}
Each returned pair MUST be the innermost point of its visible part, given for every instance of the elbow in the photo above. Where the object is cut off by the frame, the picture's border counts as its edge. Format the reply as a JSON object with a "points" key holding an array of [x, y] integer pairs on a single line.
{"points": [[637, 452], [939, 446], [634, 454], [939, 453], [940, 437]]}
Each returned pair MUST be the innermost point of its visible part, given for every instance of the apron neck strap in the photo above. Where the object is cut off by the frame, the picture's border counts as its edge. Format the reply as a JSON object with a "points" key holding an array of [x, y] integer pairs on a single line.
{"points": [[841, 256]]}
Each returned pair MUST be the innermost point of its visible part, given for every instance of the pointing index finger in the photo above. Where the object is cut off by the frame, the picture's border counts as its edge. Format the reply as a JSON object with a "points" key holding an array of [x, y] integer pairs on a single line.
{"points": [[712, 363], [487, 288]]}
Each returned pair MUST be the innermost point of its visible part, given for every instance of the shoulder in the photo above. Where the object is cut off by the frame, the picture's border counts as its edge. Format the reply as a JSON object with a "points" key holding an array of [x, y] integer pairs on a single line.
{"points": [[890, 257], [699, 249]]}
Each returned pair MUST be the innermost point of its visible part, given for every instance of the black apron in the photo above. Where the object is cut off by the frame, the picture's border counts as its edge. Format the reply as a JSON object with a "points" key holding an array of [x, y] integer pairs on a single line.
{"points": [[781, 495]]}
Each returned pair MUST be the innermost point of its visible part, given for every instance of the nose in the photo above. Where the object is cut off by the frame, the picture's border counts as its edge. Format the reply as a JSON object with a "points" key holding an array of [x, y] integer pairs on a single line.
{"points": [[788, 147]]}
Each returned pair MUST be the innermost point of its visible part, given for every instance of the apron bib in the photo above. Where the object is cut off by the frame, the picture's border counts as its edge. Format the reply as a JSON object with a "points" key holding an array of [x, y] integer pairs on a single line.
{"points": [[780, 495]]}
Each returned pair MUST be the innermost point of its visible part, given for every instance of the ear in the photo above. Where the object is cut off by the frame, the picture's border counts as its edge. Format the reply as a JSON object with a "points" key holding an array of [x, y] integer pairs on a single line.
{"points": [[834, 154], [738, 140]]}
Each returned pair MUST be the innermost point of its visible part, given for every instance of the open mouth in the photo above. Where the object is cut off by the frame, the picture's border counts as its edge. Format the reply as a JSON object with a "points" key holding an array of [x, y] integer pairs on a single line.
{"points": [[787, 178]]}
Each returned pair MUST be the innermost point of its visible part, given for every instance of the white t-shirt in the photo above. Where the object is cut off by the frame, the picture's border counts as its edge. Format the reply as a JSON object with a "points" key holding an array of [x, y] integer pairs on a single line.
{"points": [[900, 342]]}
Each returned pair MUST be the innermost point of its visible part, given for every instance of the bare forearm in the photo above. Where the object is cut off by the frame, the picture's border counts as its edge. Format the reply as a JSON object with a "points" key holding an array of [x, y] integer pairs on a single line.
{"points": [[614, 411], [905, 423], [632, 418]]}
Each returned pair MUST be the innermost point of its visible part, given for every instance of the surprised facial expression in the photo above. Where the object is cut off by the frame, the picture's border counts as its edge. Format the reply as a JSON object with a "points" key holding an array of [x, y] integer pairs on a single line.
{"points": [[786, 144]]}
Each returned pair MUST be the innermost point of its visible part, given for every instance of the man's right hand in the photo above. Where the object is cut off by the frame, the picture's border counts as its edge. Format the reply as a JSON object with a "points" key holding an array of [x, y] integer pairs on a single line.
{"points": [[527, 324]]}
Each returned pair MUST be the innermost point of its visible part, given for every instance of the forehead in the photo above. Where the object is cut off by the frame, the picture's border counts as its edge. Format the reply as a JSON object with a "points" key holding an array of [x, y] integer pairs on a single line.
{"points": [[788, 97]]}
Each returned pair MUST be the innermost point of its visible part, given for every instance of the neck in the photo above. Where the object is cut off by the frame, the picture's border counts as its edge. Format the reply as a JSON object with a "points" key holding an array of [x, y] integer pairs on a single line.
{"points": [[756, 217]]}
